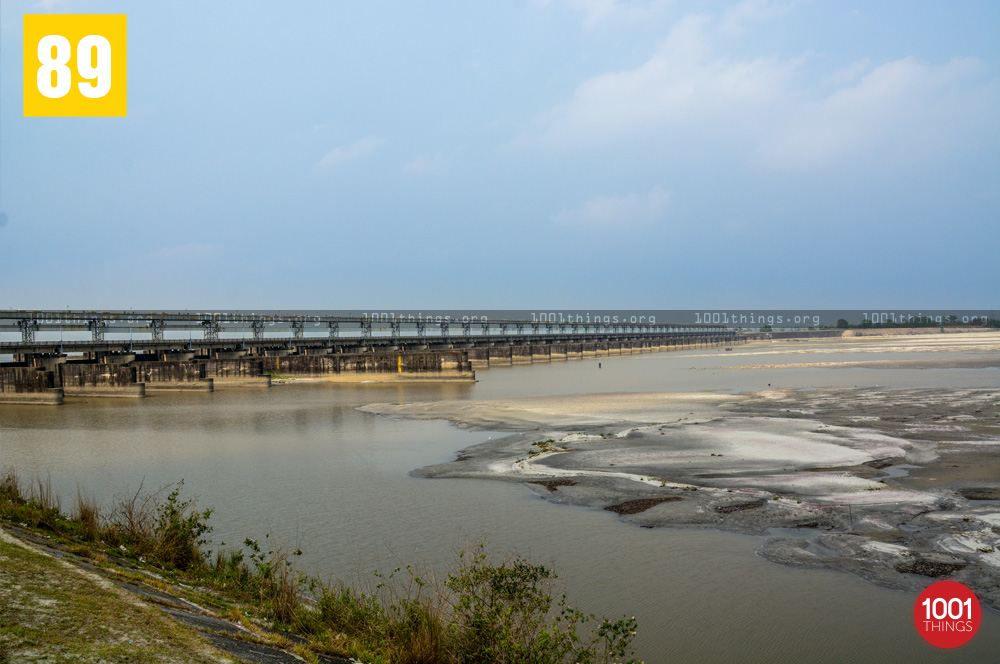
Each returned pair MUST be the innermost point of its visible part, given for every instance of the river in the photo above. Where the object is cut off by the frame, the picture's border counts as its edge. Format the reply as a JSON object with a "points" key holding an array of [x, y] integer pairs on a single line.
{"points": [[300, 463]]}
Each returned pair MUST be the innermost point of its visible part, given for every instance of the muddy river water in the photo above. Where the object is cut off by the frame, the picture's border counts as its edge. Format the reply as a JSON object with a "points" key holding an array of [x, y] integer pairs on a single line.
{"points": [[301, 464]]}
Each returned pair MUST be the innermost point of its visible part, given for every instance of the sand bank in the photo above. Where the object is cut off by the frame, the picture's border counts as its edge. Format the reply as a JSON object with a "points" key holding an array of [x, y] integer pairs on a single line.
{"points": [[949, 363], [897, 486]]}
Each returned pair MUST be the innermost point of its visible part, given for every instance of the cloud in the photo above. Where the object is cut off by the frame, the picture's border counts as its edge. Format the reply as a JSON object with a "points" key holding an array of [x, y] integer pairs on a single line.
{"points": [[765, 110], [616, 211], [424, 164], [903, 103], [850, 74], [597, 12], [681, 85], [356, 150], [735, 19]]}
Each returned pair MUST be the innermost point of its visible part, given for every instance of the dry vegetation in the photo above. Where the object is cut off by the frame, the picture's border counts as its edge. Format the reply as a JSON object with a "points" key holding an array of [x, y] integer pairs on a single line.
{"points": [[484, 610]]}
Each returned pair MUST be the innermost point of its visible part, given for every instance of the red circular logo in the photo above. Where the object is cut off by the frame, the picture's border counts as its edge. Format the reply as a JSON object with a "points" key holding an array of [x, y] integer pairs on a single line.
{"points": [[947, 614]]}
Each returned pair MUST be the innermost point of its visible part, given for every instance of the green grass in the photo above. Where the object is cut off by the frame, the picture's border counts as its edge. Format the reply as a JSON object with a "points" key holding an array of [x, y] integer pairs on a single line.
{"points": [[279, 376]]}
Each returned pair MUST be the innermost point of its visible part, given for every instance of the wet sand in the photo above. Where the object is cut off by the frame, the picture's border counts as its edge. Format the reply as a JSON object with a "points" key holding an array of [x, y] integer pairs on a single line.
{"points": [[896, 485], [956, 363]]}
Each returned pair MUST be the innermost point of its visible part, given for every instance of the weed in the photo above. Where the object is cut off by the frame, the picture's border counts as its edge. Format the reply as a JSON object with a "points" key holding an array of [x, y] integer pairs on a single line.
{"points": [[503, 612], [36, 507], [483, 611], [167, 530], [87, 513], [10, 487], [179, 530]]}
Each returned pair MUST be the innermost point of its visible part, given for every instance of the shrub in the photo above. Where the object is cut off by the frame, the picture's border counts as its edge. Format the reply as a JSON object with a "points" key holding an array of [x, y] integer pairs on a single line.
{"points": [[179, 530], [505, 613], [168, 531], [484, 611]]}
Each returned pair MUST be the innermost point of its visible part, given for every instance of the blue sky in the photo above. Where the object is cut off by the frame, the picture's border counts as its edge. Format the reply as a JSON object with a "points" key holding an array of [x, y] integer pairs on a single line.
{"points": [[569, 154]]}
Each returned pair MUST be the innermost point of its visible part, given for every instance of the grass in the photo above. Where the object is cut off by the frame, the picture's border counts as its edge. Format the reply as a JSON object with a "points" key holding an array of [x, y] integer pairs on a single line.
{"points": [[156, 525], [279, 377], [485, 609], [52, 610]]}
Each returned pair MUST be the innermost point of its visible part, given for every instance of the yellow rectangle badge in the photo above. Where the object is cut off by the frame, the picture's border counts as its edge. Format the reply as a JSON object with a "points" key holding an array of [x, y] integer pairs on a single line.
{"points": [[75, 65]]}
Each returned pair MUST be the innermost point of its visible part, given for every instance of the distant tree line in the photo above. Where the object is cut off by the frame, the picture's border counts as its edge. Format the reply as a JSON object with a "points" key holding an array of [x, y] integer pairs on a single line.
{"points": [[922, 321], [916, 321]]}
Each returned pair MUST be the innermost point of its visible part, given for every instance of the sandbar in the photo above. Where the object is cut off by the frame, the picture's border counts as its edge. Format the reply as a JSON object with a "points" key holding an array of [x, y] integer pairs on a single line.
{"points": [[899, 486]]}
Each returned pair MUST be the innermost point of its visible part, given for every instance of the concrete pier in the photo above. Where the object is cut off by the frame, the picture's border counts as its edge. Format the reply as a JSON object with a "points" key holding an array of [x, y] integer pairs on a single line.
{"points": [[520, 354], [28, 385], [501, 356], [239, 372], [540, 353], [173, 376], [100, 380], [479, 358], [374, 367]]}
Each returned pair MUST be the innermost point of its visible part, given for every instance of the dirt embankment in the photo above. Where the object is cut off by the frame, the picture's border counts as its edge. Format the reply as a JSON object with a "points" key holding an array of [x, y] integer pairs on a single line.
{"points": [[56, 606]]}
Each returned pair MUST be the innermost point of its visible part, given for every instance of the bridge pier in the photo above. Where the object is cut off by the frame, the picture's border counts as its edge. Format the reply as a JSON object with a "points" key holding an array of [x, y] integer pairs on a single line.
{"points": [[29, 385], [175, 356], [540, 353], [116, 358], [520, 354], [49, 363], [174, 376], [233, 354], [375, 367], [323, 350], [87, 379], [479, 358], [501, 356], [237, 372]]}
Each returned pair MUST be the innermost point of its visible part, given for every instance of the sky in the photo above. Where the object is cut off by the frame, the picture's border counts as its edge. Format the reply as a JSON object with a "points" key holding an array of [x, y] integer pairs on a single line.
{"points": [[512, 155]]}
